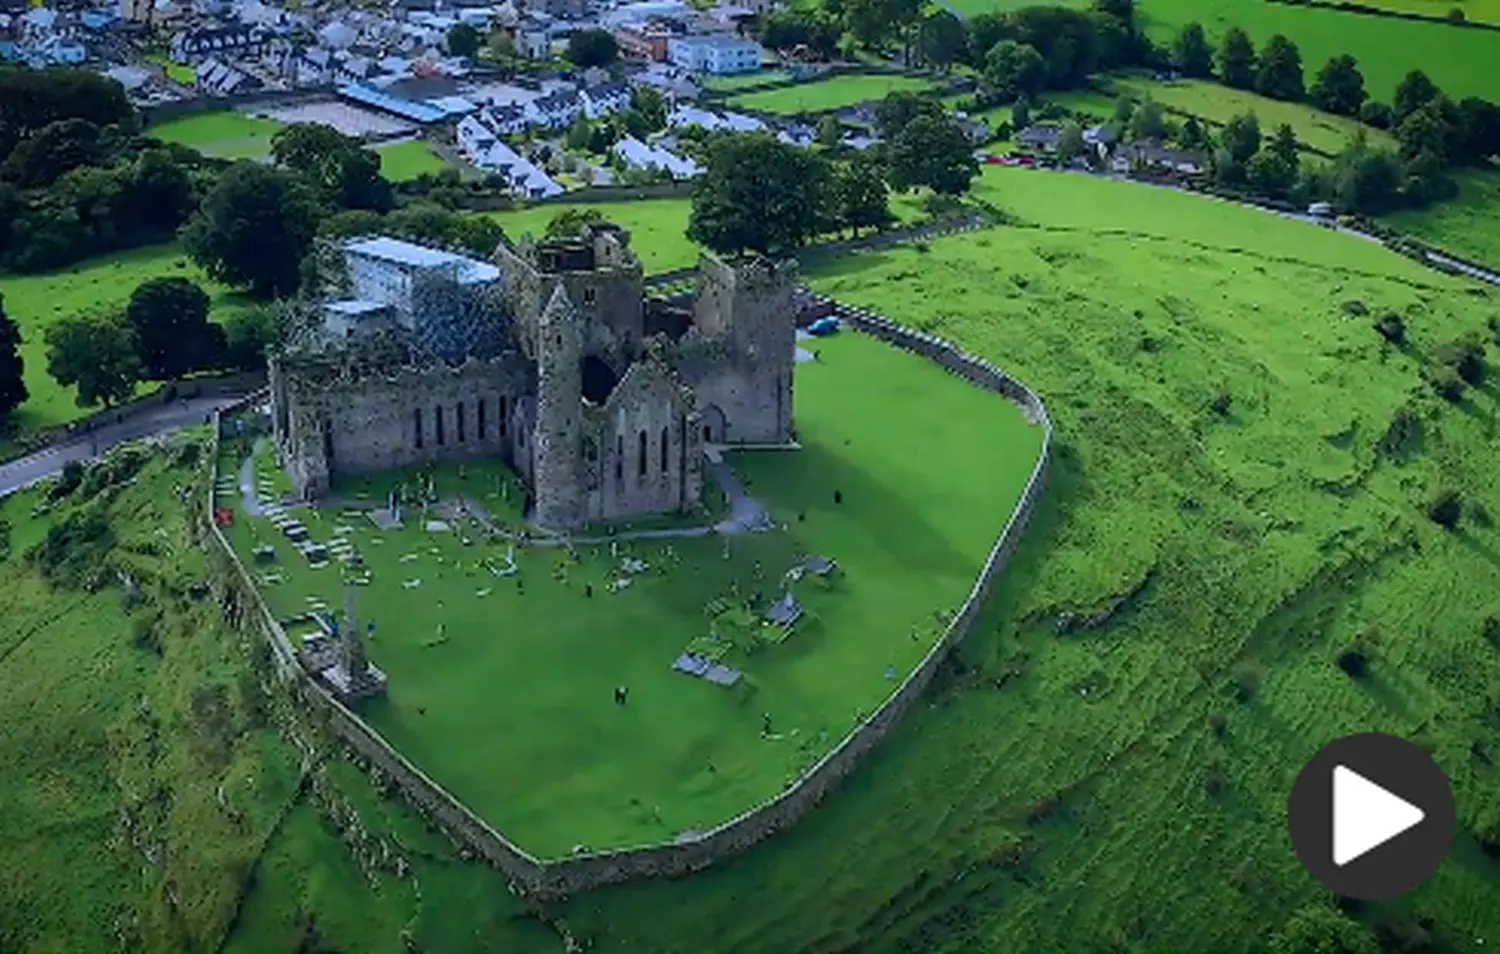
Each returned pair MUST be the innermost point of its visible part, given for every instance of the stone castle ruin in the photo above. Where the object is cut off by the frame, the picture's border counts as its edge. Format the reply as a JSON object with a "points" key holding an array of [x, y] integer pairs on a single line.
{"points": [[549, 357]]}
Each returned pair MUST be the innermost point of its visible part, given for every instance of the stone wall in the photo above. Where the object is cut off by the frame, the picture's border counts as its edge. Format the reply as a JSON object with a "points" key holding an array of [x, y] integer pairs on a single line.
{"points": [[564, 877]]}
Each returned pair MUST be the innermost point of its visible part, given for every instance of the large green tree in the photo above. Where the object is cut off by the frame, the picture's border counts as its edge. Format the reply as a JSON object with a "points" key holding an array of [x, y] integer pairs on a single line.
{"points": [[1013, 70], [343, 171], [1413, 92], [1340, 87], [1237, 59], [13, 391], [169, 317], [463, 40], [97, 354], [932, 151], [592, 47], [896, 111], [1279, 72], [253, 229], [760, 195], [863, 198], [1191, 52], [33, 99], [941, 39], [1273, 170], [1241, 136], [1322, 929], [46, 155]]}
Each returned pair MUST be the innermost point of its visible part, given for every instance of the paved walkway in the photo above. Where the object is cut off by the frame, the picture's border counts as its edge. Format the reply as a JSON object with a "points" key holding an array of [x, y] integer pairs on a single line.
{"points": [[152, 420]]}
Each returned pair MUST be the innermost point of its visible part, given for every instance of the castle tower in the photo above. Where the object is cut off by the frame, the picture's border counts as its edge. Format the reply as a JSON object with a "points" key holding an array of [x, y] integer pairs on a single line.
{"points": [[556, 442], [749, 304]]}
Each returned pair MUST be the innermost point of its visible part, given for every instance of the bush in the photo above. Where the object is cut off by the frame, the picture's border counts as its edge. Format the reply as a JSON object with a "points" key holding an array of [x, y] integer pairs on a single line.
{"points": [[1221, 402], [67, 481], [73, 551], [1466, 357], [1490, 630], [144, 634], [1445, 508], [1246, 680], [1218, 723], [1391, 327], [1446, 382], [1402, 436], [1354, 660]]}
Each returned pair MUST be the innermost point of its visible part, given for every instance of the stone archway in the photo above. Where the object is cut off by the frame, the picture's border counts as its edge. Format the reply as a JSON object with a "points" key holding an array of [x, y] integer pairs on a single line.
{"points": [[714, 427]]}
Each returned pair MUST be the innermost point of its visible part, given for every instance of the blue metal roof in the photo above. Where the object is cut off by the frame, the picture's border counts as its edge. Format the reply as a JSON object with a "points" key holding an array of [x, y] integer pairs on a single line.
{"points": [[405, 108]]}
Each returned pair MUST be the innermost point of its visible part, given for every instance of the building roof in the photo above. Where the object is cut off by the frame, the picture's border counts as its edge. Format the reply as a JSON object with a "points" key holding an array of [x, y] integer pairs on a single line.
{"points": [[784, 612], [399, 252], [354, 306], [720, 41], [1039, 135]]}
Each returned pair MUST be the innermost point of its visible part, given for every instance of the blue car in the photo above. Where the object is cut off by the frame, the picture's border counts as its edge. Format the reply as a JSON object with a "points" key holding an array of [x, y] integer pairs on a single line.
{"points": [[823, 327]]}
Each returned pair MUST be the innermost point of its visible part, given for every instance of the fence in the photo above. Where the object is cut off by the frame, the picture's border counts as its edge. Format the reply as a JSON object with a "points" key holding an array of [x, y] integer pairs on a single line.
{"points": [[563, 877]]}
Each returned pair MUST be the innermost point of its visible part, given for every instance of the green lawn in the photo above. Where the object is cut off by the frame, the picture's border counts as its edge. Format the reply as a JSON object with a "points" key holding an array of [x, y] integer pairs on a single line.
{"points": [[835, 93], [37, 301], [486, 654], [407, 160], [226, 134], [1457, 59], [724, 84], [1217, 104], [176, 72], [1266, 541], [1468, 225]]}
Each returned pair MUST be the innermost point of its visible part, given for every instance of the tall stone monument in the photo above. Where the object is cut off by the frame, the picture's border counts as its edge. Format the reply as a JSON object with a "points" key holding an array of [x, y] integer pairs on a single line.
{"points": [[353, 677]]}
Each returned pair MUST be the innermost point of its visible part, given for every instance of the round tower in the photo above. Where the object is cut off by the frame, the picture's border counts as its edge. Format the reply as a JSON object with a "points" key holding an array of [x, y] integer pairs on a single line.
{"points": [[557, 442]]}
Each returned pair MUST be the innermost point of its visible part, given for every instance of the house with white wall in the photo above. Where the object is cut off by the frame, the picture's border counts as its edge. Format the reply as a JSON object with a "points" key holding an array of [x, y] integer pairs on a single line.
{"points": [[718, 54]]}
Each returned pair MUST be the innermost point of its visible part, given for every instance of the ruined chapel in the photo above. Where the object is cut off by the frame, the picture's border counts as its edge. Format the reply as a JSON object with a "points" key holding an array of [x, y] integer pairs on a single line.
{"points": [[550, 357]]}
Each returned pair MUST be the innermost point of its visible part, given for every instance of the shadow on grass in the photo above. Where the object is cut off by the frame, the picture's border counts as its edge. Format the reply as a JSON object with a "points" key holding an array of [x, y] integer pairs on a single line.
{"points": [[1478, 547]]}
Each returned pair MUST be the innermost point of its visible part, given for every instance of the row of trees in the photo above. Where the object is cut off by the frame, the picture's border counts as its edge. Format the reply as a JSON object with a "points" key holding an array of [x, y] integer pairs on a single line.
{"points": [[758, 194]]}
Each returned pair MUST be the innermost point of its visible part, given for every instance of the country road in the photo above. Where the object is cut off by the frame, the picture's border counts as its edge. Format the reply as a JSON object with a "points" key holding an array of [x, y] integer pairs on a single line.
{"points": [[160, 419]]}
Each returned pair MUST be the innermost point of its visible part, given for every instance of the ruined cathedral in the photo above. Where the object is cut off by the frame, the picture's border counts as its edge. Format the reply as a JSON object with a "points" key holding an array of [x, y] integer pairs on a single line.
{"points": [[550, 357]]}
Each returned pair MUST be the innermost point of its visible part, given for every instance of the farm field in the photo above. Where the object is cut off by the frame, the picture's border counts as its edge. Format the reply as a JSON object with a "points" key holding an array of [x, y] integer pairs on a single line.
{"points": [[1457, 59], [1468, 225], [37, 301], [1475, 11], [408, 160], [1251, 548], [835, 93], [226, 134], [547, 647], [1217, 104]]}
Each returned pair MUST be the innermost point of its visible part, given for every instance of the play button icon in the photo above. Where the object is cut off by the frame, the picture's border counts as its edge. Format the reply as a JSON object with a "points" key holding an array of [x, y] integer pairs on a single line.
{"points": [[1371, 816]]}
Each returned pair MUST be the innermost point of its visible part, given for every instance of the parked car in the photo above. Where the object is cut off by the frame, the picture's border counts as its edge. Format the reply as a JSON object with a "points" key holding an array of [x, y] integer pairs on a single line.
{"points": [[824, 327]]}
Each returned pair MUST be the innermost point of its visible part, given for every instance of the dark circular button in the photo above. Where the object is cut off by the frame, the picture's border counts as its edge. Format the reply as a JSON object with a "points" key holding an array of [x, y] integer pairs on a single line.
{"points": [[1371, 816]]}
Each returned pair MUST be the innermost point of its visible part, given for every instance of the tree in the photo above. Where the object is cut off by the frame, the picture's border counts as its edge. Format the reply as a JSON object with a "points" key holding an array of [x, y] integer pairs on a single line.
{"points": [[760, 195], [502, 46], [897, 110], [96, 353], [1241, 137], [876, 22], [169, 319], [1340, 87], [1147, 121], [1322, 929], [942, 39], [253, 229], [1122, 10], [648, 101], [1237, 59], [43, 157], [592, 47], [1432, 130], [1013, 70], [250, 333], [1191, 53], [1273, 170], [1445, 509], [572, 221], [985, 31], [1376, 115], [830, 131], [933, 151], [32, 99], [1365, 180], [579, 133], [463, 40], [1191, 136], [1279, 74], [344, 172], [1413, 92], [13, 391], [1020, 114], [863, 199], [1070, 141], [1479, 123]]}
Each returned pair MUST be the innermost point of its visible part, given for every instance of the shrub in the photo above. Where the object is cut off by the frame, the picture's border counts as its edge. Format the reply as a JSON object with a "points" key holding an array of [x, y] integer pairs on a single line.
{"points": [[1214, 783], [1456, 15], [1446, 382], [1220, 402], [1218, 723], [73, 551], [67, 481], [1466, 357], [1445, 508], [1391, 327], [1354, 660], [1490, 630], [1402, 436], [144, 634], [1246, 680]]}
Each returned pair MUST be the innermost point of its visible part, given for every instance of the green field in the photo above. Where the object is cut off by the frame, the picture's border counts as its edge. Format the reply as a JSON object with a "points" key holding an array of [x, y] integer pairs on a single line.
{"points": [[1457, 59], [1475, 11], [546, 649], [737, 81], [1217, 104], [1265, 541], [37, 301], [835, 93], [1466, 225], [226, 134], [407, 160]]}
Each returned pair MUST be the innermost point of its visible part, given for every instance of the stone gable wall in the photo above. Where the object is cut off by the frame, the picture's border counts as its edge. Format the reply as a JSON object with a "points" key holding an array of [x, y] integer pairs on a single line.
{"points": [[564, 877]]}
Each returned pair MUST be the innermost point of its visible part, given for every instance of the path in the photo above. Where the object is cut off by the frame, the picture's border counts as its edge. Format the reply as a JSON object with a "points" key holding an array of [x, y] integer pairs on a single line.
{"points": [[249, 499], [147, 422]]}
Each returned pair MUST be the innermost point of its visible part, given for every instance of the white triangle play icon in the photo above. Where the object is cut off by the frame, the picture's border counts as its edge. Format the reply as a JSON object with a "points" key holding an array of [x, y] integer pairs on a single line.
{"points": [[1366, 816]]}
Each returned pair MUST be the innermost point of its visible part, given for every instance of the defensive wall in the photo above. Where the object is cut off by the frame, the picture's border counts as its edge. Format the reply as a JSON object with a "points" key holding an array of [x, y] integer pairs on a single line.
{"points": [[559, 878]]}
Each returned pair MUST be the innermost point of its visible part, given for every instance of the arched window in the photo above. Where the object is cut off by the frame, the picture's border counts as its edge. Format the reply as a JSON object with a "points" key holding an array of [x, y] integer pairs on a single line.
{"points": [[664, 450], [640, 466]]}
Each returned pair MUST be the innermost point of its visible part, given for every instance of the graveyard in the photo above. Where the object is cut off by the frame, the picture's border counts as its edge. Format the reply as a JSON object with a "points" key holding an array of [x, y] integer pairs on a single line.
{"points": [[620, 690]]}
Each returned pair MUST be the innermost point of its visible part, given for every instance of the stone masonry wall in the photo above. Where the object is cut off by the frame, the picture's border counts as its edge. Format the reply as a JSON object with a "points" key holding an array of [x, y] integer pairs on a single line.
{"points": [[564, 877]]}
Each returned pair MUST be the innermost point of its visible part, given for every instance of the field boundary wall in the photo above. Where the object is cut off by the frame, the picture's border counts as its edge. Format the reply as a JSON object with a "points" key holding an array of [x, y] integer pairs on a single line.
{"points": [[198, 105], [563, 877], [1364, 9]]}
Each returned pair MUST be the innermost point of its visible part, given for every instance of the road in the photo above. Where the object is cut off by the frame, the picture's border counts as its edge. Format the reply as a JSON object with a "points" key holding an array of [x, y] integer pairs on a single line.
{"points": [[158, 419]]}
